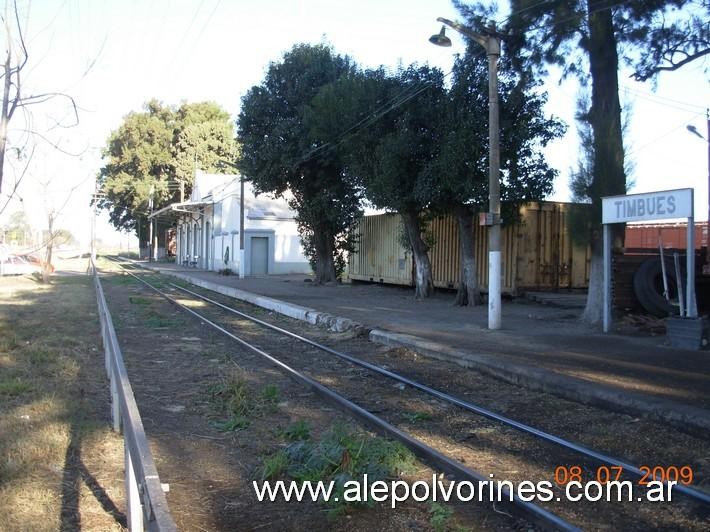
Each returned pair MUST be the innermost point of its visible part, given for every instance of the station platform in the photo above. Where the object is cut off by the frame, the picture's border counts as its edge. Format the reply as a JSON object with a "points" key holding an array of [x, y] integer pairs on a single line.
{"points": [[540, 346]]}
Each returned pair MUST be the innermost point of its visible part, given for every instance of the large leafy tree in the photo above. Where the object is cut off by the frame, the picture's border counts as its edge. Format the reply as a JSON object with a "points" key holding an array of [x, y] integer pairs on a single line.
{"points": [[590, 38], [393, 138], [457, 180], [17, 229], [281, 152], [155, 152]]}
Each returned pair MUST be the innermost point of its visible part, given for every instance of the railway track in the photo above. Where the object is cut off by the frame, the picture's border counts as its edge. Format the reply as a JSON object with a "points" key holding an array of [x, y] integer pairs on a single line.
{"points": [[325, 370]]}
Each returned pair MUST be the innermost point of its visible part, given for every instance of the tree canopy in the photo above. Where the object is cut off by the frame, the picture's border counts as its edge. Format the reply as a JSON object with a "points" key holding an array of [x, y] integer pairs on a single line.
{"points": [[281, 152], [156, 149], [457, 177], [17, 228], [591, 39], [394, 156]]}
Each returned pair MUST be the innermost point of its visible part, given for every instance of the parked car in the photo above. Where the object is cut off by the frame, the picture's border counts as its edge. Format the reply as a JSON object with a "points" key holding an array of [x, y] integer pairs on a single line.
{"points": [[37, 260], [16, 265]]}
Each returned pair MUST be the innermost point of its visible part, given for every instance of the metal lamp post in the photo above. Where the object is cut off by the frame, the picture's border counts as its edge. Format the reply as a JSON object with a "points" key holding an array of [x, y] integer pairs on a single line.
{"points": [[694, 131], [491, 43]]}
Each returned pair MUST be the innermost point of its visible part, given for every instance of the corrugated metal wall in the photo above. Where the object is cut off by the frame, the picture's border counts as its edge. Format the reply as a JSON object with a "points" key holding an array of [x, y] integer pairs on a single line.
{"points": [[379, 256], [673, 235], [537, 253]]}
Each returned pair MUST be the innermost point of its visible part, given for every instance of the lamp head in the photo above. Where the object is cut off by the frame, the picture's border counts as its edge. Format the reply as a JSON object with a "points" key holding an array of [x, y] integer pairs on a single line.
{"points": [[440, 39], [694, 131]]}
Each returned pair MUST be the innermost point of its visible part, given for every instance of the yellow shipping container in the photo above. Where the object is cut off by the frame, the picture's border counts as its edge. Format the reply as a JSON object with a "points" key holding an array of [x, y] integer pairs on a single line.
{"points": [[537, 253]]}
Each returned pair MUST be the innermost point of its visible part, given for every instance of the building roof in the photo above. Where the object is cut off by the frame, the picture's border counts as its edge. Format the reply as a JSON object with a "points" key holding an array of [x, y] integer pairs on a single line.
{"points": [[212, 186]]}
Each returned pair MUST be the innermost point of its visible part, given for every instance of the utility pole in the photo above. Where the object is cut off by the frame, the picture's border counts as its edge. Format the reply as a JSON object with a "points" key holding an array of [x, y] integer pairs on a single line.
{"points": [[150, 224], [242, 273], [490, 41], [694, 131], [706, 266]]}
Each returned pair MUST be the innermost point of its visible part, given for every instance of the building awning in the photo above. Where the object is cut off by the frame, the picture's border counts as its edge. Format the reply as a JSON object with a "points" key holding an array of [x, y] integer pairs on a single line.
{"points": [[185, 206]]}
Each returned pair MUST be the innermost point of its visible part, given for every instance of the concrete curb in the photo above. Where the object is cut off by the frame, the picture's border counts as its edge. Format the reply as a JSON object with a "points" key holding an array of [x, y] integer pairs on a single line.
{"points": [[682, 416], [687, 418], [310, 315]]}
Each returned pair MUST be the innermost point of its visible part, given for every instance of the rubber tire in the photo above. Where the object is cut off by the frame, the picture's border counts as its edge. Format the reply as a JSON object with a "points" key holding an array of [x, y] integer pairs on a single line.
{"points": [[648, 286]]}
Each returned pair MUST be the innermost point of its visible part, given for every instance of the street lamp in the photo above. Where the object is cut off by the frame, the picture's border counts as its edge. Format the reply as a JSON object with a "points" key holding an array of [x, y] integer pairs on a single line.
{"points": [[491, 43], [694, 131]]}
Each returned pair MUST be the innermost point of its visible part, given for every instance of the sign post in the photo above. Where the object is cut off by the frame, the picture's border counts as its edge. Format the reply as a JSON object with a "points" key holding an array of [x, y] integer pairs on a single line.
{"points": [[663, 205]]}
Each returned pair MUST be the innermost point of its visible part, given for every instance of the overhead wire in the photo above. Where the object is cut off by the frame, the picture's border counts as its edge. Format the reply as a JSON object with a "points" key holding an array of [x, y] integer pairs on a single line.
{"points": [[662, 100], [178, 48], [398, 100], [586, 14], [633, 151], [393, 103], [523, 10]]}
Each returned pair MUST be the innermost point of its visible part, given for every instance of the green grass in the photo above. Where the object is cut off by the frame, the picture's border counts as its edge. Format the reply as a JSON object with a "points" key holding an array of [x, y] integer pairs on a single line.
{"points": [[439, 516], [275, 465], [297, 431], [8, 343], [41, 356], [120, 279], [13, 386], [414, 417], [342, 453], [155, 320], [233, 397], [137, 300], [52, 393], [232, 424], [270, 395]]}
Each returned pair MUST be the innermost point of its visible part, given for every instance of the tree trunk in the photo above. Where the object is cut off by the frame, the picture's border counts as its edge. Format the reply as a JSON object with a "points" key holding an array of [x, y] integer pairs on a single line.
{"points": [[468, 292], [5, 111], [609, 178], [47, 266], [325, 265], [595, 297], [424, 283]]}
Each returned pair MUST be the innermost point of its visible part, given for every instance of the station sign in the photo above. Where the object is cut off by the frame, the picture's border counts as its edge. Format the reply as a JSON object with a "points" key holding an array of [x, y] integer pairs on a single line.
{"points": [[662, 205]]}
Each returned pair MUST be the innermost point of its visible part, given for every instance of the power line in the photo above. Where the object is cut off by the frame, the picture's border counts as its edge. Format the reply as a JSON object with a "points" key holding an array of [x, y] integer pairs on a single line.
{"points": [[662, 100], [577, 16], [404, 96], [400, 99], [184, 38], [634, 151], [523, 10]]}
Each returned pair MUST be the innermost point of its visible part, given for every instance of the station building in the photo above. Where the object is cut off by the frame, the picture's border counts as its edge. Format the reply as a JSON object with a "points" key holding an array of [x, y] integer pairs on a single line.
{"points": [[206, 231]]}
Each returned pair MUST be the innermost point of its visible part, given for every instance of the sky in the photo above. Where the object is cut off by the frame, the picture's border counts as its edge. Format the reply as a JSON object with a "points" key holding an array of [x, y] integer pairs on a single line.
{"points": [[111, 56]]}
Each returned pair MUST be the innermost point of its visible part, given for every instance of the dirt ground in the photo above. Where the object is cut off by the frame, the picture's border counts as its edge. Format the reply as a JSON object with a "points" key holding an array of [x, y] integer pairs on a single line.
{"points": [[175, 364], [486, 446], [61, 468]]}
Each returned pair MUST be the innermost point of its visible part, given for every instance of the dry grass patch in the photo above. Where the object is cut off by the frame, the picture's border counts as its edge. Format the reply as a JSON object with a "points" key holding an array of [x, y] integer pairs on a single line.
{"points": [[60, 466]]}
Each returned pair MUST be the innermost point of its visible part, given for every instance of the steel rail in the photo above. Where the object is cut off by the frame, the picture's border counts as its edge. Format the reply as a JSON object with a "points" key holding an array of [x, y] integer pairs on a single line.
{"points": [[550, 438], [146, 505], [596, 456], [535, 514]]}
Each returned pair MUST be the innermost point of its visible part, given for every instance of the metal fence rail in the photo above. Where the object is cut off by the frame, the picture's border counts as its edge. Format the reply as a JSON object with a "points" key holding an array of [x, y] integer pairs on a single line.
{"points": [[146, 505]]}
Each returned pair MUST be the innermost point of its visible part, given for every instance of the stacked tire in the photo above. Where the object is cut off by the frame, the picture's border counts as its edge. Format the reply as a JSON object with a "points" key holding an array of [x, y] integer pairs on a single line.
{"points": [[648, 287]]}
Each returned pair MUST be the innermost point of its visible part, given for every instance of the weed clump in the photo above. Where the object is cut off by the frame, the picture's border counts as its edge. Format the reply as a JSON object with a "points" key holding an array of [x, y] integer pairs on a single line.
{"points": [[233, 397], [13, 386], [341, 454], [298, 431]]}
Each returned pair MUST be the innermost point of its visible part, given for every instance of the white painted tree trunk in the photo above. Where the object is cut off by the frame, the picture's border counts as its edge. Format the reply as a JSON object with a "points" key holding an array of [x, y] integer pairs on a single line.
{"points": [[595, 296]]}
